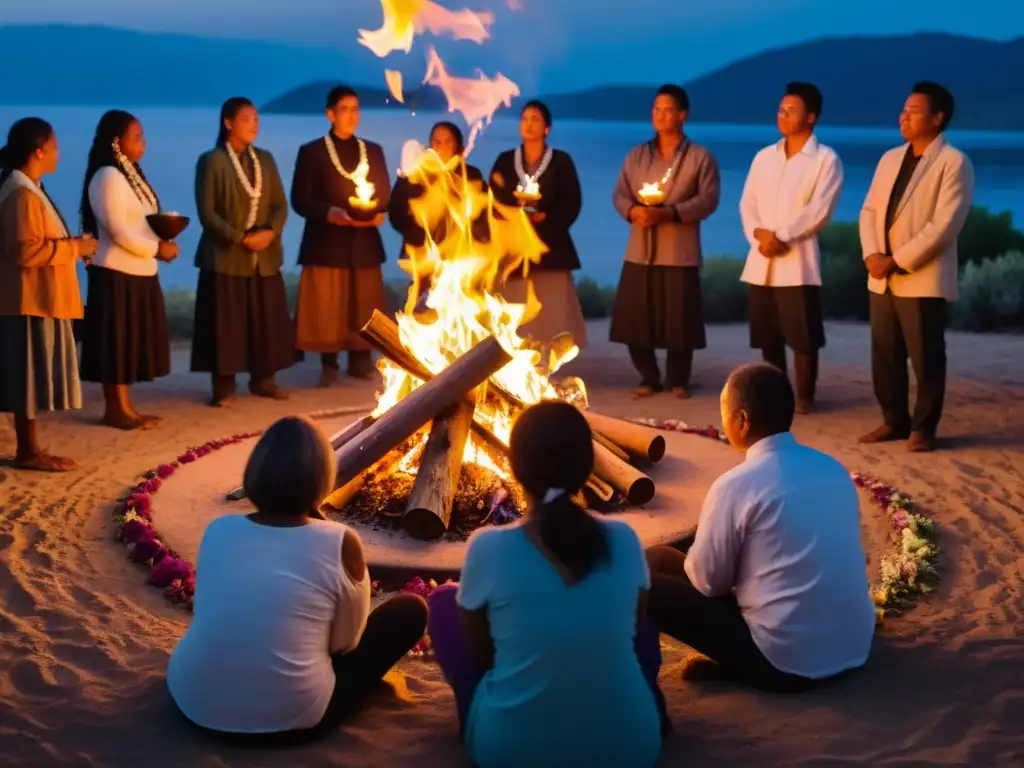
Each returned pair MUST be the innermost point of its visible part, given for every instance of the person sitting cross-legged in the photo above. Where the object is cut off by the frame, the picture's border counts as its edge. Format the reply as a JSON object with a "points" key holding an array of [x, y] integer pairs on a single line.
{"points": [[774, 587], [545, 641]]}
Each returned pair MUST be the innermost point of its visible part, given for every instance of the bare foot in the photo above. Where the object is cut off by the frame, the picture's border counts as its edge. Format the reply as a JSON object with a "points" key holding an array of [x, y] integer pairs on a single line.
{"points": [[643, 391], [44, 462], [220, 402], [149, 422], [123, 421], [681, 392]]}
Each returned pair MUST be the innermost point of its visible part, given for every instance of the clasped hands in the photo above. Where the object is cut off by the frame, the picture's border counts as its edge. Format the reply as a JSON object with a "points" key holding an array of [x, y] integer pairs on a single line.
{"points": [[648, 216], [879, 265], [769, 243], [258, 239], [339, 217]]}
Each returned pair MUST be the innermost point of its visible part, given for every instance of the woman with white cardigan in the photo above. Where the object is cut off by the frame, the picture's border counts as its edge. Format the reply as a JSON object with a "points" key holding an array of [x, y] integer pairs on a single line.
{"points": [[125, 336]]}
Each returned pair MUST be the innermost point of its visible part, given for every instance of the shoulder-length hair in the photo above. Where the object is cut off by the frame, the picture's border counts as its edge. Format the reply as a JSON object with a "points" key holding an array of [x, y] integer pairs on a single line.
{"points": [[291, 469]]}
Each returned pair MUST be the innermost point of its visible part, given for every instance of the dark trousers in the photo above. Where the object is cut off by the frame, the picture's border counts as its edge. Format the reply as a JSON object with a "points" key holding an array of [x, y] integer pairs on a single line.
{"points": [[713, 626], [678, 367], [805, 369], [902, 327], [391, 631], [360, 361]]}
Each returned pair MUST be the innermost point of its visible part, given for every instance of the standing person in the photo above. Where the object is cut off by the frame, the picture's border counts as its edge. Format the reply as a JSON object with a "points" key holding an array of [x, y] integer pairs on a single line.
{"points": [[125, 338], [658, 303], [552, 216], [790, 194], [447, 142], [242, 322], [917, 204], [39, 295], [342, 251], [558, 666]]}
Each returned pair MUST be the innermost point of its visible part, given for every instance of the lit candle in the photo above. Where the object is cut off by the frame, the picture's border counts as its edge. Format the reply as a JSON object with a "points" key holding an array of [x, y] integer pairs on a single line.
{"points": [[363, 199], [654, 193], [529, 191]]}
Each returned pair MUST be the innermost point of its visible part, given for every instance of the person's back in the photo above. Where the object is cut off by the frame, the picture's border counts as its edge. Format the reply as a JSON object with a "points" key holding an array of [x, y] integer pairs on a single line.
{"points": [[801, 580], [256, 656], [566, 682]]}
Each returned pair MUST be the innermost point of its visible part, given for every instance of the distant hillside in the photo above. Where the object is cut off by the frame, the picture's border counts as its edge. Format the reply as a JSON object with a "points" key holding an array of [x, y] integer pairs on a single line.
{"points": [[311, 98], [96, 65], [864, 80]]}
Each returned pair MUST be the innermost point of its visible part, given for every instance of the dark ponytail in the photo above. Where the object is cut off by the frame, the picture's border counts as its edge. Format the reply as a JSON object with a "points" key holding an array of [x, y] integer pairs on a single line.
{"points": [[23, 139], [229, 111], [552, 454]]}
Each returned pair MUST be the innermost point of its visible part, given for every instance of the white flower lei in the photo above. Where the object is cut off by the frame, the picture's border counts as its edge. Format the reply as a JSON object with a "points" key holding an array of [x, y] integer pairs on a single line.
{"points": [[524, 177], [362, 168], [138, 184], [255, 191]]}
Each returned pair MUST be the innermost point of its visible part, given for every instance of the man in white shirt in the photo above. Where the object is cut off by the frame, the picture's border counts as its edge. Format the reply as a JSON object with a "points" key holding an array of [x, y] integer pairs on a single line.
{"points": [[912, 215], [774, 587], [790, 194]]}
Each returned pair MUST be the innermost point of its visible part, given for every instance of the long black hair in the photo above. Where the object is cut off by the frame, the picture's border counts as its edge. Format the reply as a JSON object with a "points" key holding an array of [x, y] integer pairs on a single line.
{"points": [[552, 450], [229, 111], [23, 139], [113, 125]]}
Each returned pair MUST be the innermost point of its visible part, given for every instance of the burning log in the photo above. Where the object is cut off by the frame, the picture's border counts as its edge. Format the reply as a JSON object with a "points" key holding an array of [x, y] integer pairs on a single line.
{"points": [[637, 487], [638, 440], [343, 494], [337, 440], [429, 511], [421, 405]]}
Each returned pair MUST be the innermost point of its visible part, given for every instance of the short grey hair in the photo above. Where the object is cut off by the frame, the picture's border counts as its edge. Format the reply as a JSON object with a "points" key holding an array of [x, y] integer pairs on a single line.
{"points": [[291, 469]]}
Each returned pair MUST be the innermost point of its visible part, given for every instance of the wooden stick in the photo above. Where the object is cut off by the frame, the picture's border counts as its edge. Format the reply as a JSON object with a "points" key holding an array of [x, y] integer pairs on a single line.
{"points": [[600, 488], [338, 439], [602, 440], [636, 439], [637, 487], [421, 405], [429, 510], [341, 496]]}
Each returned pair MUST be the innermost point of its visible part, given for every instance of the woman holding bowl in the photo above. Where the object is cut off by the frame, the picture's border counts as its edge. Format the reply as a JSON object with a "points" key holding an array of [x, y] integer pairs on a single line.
{"points": [[544, 181], [242, 324], [125, 340], [39, 296]]}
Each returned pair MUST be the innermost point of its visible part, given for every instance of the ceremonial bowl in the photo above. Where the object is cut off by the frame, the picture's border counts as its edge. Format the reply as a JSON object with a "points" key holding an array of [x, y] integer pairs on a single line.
{"points": [[167, 226], [361, 210]]}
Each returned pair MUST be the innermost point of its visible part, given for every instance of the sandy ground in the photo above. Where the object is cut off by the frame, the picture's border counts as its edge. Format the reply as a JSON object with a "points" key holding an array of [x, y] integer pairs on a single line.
{"points": [[84, 642]]}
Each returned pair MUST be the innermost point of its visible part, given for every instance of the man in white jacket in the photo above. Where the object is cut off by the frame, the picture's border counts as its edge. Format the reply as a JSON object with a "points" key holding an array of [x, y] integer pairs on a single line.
{"points": [[790, 194], [917, 204]]}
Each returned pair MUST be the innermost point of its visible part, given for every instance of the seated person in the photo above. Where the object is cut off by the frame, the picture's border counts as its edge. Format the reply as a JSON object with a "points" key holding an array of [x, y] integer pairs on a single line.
{"points": [[545, 642], [774, 587], [283, 643]]}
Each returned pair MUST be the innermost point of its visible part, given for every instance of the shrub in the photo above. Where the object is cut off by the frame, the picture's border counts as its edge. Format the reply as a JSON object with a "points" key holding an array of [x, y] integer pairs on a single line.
{"points": [[724, 296], [991, 295]]}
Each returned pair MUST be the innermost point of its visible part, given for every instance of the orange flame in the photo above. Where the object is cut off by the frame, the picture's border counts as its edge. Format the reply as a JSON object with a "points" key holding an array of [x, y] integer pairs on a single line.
{"points": [[404, 19]]}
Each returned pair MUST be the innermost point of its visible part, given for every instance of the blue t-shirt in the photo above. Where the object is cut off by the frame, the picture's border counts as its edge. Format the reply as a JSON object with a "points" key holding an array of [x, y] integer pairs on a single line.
{"points": [[566, 687]]}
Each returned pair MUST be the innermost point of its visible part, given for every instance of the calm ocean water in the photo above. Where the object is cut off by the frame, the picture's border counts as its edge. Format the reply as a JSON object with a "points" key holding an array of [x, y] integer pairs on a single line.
{"points": [[177, 137]]}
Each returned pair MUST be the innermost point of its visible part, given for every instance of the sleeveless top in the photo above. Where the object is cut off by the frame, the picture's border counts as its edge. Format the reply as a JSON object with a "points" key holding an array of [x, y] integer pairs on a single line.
{"points": [[271, 606]]}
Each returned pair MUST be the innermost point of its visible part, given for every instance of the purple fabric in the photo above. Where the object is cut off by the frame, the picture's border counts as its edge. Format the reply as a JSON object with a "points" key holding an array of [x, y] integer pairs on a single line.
{"points": [[452, 653]]}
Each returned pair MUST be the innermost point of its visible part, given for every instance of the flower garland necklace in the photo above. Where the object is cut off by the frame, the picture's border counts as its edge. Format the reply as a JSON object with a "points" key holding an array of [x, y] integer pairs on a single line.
{"points": [[524, 177], [139, 185], [254, 191], [362, 167]]}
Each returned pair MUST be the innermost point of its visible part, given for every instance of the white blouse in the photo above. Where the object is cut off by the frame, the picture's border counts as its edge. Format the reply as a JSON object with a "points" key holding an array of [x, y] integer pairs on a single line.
{"points": [[126, 243], [271, 605]]}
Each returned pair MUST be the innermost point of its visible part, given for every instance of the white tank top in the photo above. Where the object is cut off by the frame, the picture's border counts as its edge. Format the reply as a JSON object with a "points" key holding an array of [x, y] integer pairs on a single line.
{"points": [[271, 605]]}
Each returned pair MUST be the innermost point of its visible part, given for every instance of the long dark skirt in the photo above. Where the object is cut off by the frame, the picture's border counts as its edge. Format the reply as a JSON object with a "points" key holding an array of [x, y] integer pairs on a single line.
{"points": [[242, 325], [659, 308], [39, 366], [124, 335]]}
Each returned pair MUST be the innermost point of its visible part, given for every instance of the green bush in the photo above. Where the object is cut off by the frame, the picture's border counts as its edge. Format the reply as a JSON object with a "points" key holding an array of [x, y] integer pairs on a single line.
{"points": [[723, 295], [991, 295]]}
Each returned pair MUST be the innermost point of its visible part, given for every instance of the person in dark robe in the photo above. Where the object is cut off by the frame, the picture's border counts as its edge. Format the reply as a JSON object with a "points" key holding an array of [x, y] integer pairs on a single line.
{"points": [[447, 141], [125, 337], [912, 216], [342, 251], [559, 201], [658, 303], [242, 324]]}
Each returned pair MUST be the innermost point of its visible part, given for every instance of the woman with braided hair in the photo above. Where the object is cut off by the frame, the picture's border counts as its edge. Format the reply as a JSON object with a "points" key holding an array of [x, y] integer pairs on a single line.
{"points": [[125, 337]]}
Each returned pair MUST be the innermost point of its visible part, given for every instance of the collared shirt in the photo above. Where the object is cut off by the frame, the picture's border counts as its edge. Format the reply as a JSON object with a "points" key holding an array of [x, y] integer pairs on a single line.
{"points": [[899, 189], [782, 532], [794, 197]]}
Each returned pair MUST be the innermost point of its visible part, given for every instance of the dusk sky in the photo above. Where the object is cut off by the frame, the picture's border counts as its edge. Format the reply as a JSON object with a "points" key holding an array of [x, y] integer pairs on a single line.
{"points": [[558, 43]]}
